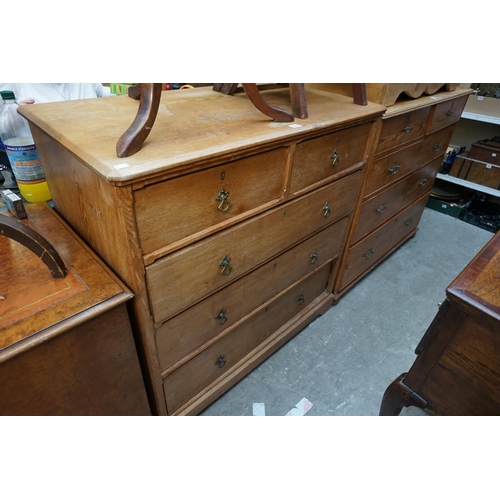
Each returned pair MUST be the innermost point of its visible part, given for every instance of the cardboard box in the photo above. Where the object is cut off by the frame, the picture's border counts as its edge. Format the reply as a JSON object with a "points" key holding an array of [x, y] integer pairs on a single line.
{"points": [[480, 105]]}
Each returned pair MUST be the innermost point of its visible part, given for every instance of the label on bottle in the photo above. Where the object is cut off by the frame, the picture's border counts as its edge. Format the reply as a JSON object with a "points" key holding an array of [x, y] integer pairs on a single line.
{"points": [[24, 159]]}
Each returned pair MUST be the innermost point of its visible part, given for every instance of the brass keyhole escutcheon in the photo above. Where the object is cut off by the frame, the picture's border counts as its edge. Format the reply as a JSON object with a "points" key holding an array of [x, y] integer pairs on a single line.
{"points": [[224, 263], [382, 209], [224, 203], [436, 146], [335, 157], [423, 182], [395, 169], [326, 210], [368, 254], [407, 129], [302, 299], [221, 316], [314, 257], [220, 362], [409, 222]]}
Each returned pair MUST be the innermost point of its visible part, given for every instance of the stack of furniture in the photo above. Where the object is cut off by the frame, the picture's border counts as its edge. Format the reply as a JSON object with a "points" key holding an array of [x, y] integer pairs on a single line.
{"points": [[234, 231], [227, 226]]}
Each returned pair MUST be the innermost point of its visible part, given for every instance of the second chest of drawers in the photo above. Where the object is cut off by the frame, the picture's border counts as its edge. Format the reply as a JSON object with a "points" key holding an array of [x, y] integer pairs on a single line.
{"points": [[413, 137]]}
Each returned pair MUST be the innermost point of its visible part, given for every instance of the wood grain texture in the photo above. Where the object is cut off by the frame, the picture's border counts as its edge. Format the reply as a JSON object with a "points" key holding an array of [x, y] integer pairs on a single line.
{"points": [[152, 219], [68, 349]]}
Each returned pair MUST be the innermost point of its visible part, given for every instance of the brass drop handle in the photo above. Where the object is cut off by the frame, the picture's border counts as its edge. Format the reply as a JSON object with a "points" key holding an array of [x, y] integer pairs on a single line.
{"points": [[220, 362], [314, 257], [224, 263], [409, 222], [450, 113], [224, 203], [436, 146], [302, 299], [380, 210], [326, 210], [221, 316], [407, 129], [368, 254], [394, 169], [423, 182], [334, 157]]}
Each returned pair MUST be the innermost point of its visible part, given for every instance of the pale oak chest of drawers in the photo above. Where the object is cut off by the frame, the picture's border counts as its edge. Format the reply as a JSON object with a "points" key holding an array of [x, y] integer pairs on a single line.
{"points": [[412, 138], [226, 226]]}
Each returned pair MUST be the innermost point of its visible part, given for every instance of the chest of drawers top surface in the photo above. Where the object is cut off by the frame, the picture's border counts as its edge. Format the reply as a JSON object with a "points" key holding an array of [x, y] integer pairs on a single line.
{"points": [[193, 126]]}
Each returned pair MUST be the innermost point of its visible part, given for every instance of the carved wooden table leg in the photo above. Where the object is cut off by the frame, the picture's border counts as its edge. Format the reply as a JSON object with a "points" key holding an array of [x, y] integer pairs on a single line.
{"points": [[398, 395], [133, 138]]}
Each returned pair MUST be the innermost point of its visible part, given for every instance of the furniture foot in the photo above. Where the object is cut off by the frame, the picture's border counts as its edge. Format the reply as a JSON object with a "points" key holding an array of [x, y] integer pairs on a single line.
{"points": [[277, 114], [133, 138], [398, 395]]}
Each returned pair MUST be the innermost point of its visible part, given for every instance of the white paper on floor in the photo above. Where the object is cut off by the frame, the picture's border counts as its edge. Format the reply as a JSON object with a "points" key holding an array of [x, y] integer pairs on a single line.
{"points": [[259, 410], [301, 408]]}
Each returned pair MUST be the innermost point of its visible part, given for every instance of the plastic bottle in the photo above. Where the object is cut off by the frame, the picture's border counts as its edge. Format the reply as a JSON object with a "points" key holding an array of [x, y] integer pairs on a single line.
{"points": [[21, 150], [6, 174]]}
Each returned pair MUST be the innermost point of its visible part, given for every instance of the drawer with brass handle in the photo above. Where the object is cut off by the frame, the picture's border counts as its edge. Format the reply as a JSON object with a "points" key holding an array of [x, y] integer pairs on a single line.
{"points": [[388, 203], [322, 157], [190, 274], [369, 251], [391, 168], [178, 208], [400, 129], [447, 113], [217, 359], [195, 326], [435, 145]]}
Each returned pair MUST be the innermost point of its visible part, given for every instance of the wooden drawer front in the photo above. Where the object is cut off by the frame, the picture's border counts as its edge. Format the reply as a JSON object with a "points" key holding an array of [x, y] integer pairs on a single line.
{"points": [[192, 328], [391, 168], [446, 113], [184, 277], [369, 251], [402, 128], [177, 208], [198, 373], [435, 145], [313, 160], [387, 204]]}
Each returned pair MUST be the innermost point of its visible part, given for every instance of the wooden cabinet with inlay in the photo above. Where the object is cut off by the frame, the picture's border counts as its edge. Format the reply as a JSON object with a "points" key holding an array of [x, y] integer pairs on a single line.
{"points": [[412, 138], [228, 227]]}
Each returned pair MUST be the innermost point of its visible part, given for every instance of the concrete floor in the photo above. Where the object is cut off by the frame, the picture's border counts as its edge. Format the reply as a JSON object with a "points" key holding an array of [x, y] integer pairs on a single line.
{"points": [[344, 360]]}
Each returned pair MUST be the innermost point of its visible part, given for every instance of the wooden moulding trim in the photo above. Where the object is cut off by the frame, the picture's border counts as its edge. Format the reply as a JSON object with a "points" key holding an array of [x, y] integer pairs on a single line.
{"points": [[319, 306]]}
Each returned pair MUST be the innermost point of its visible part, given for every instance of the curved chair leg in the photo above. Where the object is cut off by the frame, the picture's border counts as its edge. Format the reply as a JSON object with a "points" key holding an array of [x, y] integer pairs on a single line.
{"points": [[133, 138], [398, 395], [15, 230], [277, 114]]}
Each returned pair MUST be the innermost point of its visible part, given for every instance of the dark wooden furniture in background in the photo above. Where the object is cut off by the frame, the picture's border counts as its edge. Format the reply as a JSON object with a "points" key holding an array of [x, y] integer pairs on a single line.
{"points": [[457, 369], [66, 344], [227, 227]]}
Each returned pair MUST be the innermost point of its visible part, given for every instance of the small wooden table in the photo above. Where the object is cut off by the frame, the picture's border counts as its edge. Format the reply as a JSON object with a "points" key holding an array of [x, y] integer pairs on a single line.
{"points": [[457, 370], [66, 344]]}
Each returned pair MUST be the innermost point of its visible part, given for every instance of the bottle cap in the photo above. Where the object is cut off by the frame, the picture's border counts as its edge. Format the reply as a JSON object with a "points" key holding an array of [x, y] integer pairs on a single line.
{"points": [[7, 94]]}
